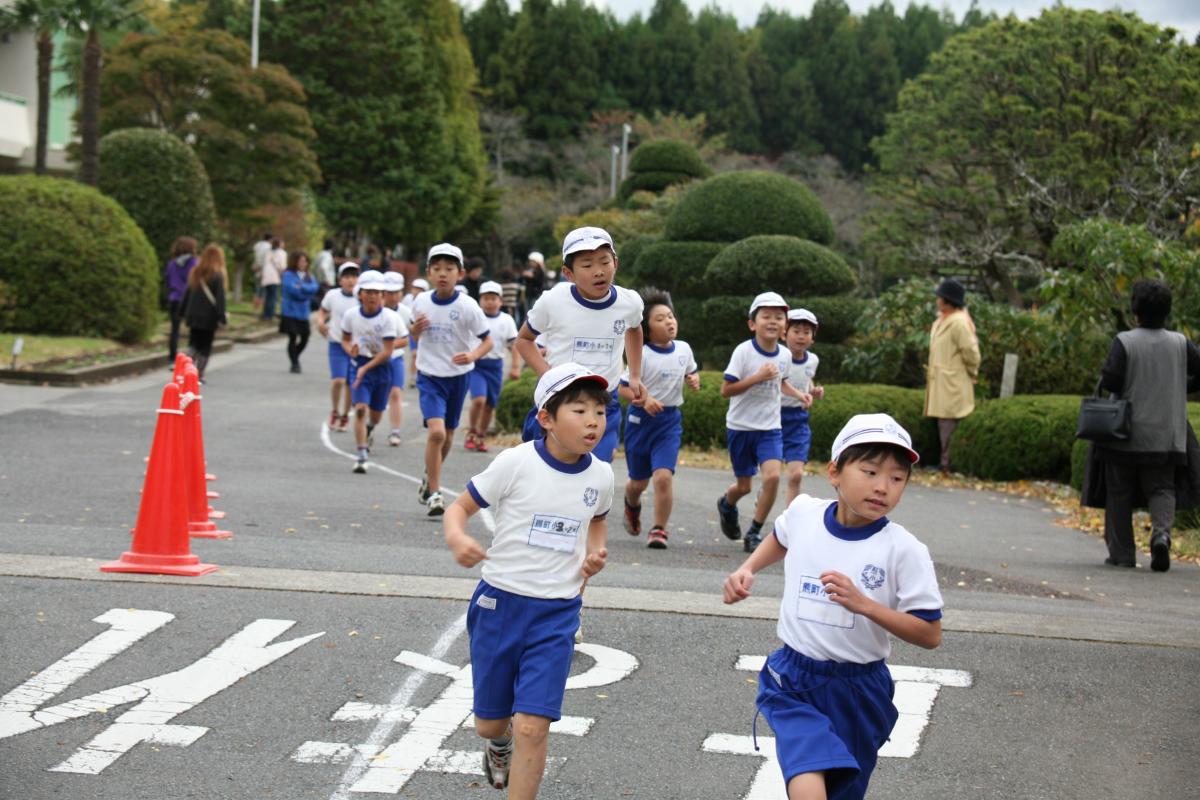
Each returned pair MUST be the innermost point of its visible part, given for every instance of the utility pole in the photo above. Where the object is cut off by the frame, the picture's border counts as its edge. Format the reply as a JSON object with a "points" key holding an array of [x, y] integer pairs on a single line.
{"points": [[612, 190], [626, 129], [254, 36]]}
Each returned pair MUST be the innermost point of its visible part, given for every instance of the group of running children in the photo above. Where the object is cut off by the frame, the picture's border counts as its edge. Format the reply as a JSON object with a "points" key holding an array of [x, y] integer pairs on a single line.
{"points": [[852, 577]]}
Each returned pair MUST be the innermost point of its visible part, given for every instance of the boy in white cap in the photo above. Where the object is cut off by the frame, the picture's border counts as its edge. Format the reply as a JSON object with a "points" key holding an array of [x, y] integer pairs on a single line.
{"points": [[488, 376], [589, 321], [797, 436], [851, 578], [754, 383], [391, 301], [453, 334], [369, 333], [550, 499], [334, 305]]}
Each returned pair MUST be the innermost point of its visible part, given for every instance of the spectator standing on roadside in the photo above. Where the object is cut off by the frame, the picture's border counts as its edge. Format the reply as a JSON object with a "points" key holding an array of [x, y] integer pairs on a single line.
{"points": [[262, 248], [299, 289], [474, 277], [204, 304], [512, 296], [953, 364], [534, 278], [272, 275], [175, 275], [325, 270]]}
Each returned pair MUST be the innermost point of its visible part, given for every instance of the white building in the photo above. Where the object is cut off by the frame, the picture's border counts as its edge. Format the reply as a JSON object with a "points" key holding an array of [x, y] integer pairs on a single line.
{"points": [[18, 105]]}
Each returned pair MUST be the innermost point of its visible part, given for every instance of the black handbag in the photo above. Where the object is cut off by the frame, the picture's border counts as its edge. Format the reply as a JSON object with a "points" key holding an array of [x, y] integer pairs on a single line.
{"points": [[1103, 419]]}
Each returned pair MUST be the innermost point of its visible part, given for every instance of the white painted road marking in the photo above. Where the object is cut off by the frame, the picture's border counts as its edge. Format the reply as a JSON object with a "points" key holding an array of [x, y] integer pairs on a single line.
{"points": [[916, 690]]}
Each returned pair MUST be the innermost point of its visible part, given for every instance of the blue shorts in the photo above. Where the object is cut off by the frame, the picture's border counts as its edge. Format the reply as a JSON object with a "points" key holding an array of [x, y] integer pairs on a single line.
{"points": [[748, 449], [607, 445], [443, 398], [827, 717], [487, 378], [652, 442], [339, 362], [797, 436], [521, 649], [375, 388], [398, 373]]}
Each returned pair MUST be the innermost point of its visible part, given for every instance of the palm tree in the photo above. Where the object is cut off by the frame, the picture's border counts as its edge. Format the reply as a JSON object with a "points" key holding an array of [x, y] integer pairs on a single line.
{"points": [[44, 18]]}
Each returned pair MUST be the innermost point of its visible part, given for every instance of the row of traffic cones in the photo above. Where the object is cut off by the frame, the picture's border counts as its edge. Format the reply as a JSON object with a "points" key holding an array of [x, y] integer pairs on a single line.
{"points": [[175, 494]]}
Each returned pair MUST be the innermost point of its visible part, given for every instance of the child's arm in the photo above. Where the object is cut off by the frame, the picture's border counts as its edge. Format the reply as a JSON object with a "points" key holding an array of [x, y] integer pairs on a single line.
{"points": [[633, 354], [737, 585], [347, 345], [910, 628], [466, 551], [597, 553], [527, 348], [323, 321], [514, 370], [382, 357], [485, 347], [692, 379], [765, 373]]}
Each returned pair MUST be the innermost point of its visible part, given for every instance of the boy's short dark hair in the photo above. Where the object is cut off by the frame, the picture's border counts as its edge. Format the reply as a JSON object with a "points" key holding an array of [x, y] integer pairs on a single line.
{"points": [[475, 262], [1151, 302], [450, 259], [652, 297], [580, 389], [757, 311], [870, 451], [794, 322]]}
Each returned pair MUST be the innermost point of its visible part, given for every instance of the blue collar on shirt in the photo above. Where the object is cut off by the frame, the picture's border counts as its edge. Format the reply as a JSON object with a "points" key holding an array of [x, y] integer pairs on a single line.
{"points": [[493, 316], [439, 301], [754, 341], [664, 350], [595, 305], [370, 316], [849, 534], [347, 294], [801, 360], [571, 469]]}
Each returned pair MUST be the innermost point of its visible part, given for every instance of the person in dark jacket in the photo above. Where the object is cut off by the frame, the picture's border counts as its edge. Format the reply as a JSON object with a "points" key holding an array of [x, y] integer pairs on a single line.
{"points": [[1154, 369], [175, 275], [299, 288], [204, 304]]}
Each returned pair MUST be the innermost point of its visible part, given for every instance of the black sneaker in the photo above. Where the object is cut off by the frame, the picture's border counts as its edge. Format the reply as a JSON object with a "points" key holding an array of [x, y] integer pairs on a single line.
{"points": [[1160, 552], [729, 519], [751, 542]]}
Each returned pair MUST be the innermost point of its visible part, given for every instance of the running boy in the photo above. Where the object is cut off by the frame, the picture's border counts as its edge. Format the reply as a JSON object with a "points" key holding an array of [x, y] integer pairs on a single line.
{"points": [[797, 436], [453, 334], [588, 321], [754, 383], [851, 577], [369, 335], [550, 499], [334, 306], [391, 301], [488, 376], [653, 428]]}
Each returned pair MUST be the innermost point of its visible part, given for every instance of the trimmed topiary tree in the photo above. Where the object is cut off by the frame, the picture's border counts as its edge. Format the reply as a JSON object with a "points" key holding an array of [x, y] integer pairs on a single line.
{"points": [[74, 261], [659, 163], [786, 264], [160, 181], [676, 267], [736, 205]]}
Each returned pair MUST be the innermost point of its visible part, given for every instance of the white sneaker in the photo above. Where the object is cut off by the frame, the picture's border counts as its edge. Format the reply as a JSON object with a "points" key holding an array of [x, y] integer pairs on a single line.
{"points": [[423, 492], [436, 506], [360, 466], [394, 440], [496, 761]]}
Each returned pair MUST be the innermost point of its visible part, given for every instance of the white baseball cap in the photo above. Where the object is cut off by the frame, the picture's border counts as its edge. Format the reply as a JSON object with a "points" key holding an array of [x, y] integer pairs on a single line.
{"points": [[421, 284], [538, 257], [445, 249], [345, 266], [394, 281], [490, 287], [873, 429], [555, 379], [371, 279], [582, 240], [802, 315], [767, 300]]}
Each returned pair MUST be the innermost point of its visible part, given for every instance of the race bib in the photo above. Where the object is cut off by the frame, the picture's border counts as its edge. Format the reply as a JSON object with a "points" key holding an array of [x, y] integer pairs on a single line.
{"points": [[593, 353], [439, 334], [813, 605], [552, 532]]}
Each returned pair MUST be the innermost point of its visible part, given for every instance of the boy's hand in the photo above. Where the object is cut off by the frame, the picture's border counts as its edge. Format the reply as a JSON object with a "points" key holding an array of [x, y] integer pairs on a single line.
{"points": [[363, 370], [462, 358], [638, 389], [420, 324], [766, 372], [737, 585], [818, 392], [466, 551], [806, 400], [595, 562], [514, 374], [323, 329], [693, 381], [842, 591], [353, 351], [652, 405]]}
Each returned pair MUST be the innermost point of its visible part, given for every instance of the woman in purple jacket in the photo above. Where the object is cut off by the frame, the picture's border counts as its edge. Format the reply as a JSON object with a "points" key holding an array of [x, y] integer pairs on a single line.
{"points": [[175, 274]]}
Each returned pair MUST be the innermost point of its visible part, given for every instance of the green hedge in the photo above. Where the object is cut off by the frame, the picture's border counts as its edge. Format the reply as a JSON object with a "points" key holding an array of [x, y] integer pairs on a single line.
{"points": [[735, 205], [843, 401], [837, 316], [160, 181], [650, 182], [668, 156], [1022, 437], [676, 267], [74, 262], [784, 264]]}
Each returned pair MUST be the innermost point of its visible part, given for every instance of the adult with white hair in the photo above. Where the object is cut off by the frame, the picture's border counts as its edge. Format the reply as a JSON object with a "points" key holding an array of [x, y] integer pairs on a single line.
{"points": [[534, 277]]}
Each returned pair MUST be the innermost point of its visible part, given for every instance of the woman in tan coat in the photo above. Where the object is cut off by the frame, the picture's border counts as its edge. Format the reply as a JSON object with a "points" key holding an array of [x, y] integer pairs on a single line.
{"points": [[953, 364]]}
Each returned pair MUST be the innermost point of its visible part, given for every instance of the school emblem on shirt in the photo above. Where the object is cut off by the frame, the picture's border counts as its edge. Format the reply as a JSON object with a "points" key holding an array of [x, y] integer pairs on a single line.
{"points": [[590, 496], [454, 315], [619, 326], [682, 360], [872, 576]]}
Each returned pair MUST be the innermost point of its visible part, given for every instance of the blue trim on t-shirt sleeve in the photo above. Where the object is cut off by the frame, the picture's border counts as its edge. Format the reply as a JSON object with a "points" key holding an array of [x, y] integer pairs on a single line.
{"points": [[731, 378], [433, 296], [570, 469], [848, 534], [532, 329], [601, 516], [929, 615], [595, 305], [475, 495]]}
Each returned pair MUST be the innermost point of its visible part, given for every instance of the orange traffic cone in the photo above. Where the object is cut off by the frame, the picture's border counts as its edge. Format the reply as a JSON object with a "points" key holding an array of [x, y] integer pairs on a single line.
{"points": [[182, 362], [160, 538], [199, 524]]}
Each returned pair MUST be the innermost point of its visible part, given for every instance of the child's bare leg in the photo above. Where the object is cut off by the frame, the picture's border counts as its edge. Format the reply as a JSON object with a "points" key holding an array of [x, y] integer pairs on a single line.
{"points": [[335, 395], [395, 400], [664, 497], [485, 417], [375, 417], [807, 786], [435, 442], [769, 489], [633, 491], [738, 489], [345, 397], [795, 476], [360, 425], [529, 756], [476, 413], [447, 444], [492, 728]]}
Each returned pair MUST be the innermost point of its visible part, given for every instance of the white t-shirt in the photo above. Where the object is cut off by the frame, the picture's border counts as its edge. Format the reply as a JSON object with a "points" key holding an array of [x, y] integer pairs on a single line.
{"points": [[542, 508], [406, 319], [663, 371], [369, 333], [324, 268], [336, 303], [757, 408], [262, 249], [504, 331], [456, 325], [592, 334], [801, 374], [883, 559]]}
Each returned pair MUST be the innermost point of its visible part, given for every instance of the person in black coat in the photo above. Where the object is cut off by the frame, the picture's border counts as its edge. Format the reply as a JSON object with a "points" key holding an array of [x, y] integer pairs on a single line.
{"points": [[204, 304]]}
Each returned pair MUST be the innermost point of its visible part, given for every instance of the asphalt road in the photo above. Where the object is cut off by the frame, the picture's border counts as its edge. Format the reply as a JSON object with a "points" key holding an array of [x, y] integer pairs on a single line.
{"points": [[278, 675]]}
